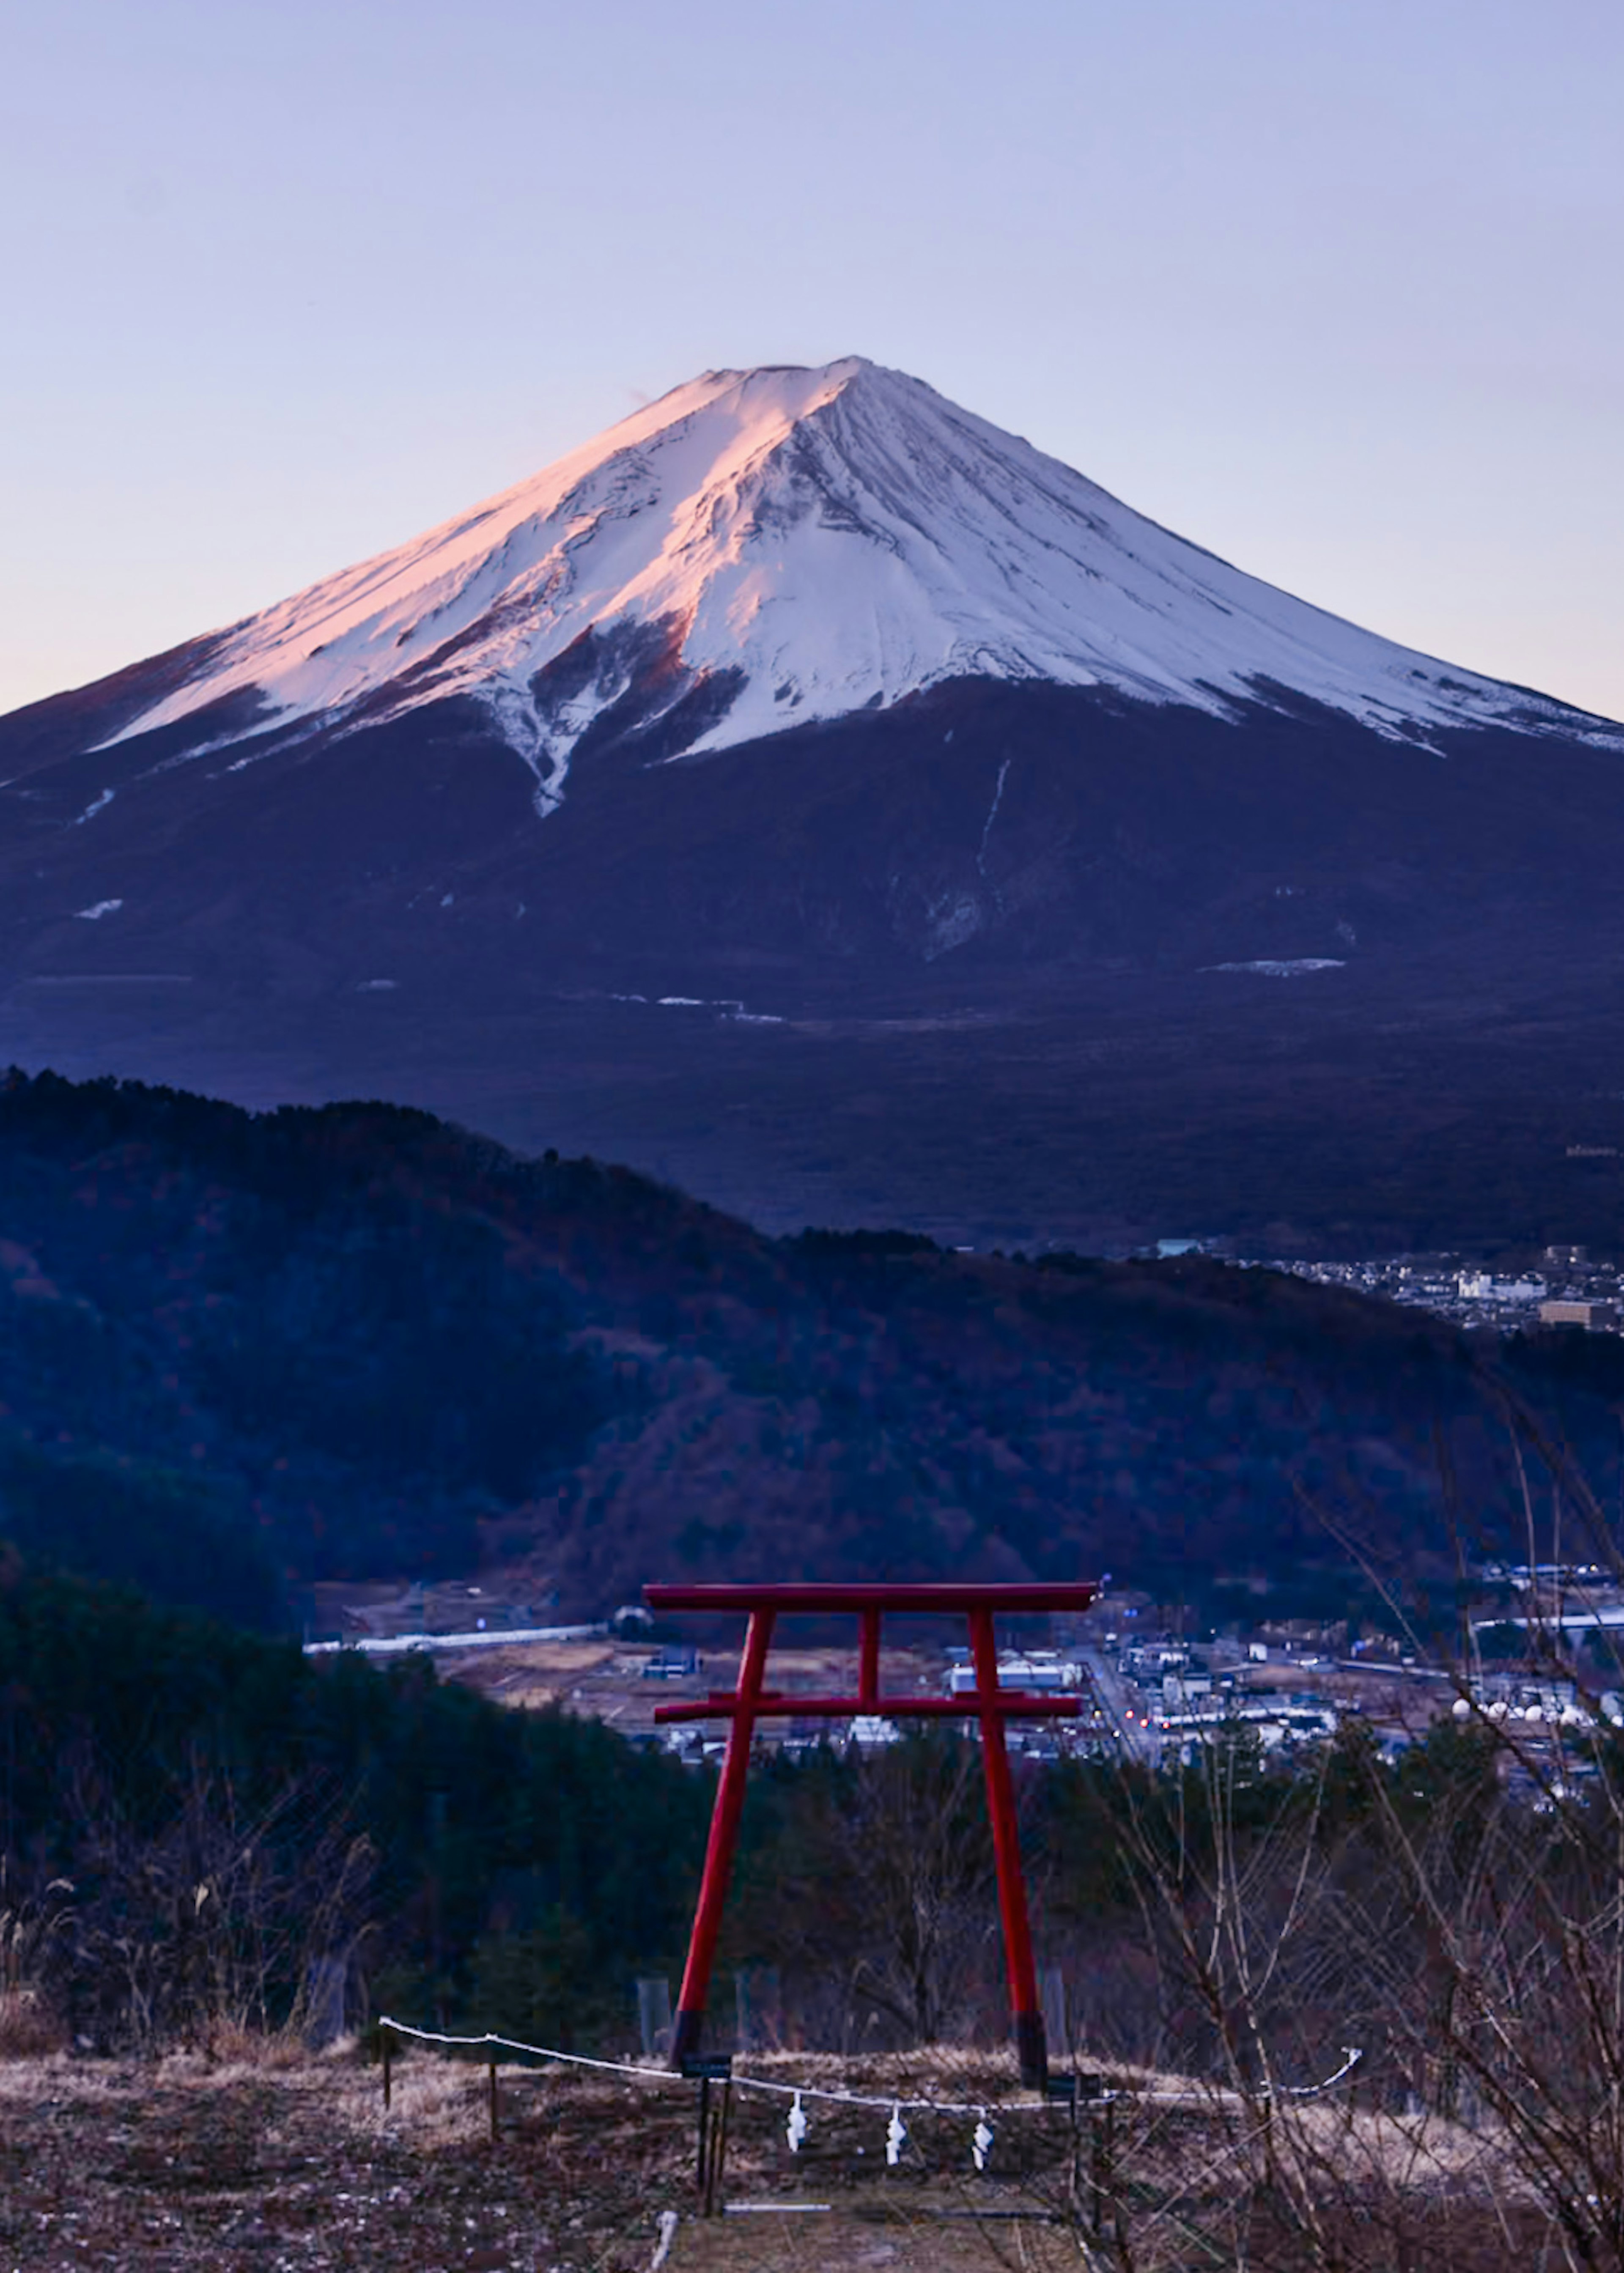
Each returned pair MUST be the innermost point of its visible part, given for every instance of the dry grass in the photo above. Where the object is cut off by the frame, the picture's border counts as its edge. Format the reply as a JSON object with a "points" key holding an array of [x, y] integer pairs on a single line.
{"points": [[28, 2027], [276, 2159], [188, 2164]]}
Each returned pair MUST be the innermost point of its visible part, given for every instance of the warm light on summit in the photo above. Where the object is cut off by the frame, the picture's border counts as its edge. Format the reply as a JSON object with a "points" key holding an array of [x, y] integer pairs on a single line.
{"points": [[794, 544]]}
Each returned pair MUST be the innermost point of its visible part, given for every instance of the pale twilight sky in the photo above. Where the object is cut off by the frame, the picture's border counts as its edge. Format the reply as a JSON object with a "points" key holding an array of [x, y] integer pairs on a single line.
{"points": [[1333, 287]]}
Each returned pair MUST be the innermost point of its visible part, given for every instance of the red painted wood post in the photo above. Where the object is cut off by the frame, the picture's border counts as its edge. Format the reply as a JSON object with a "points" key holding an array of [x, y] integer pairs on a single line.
{"points": [[1028, 2016], [690, 2018]]}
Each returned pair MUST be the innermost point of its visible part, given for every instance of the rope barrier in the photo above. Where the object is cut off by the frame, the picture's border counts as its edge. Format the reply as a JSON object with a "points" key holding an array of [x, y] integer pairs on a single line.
{"points": [[887, 2101], [1352, 2057], [539, 2051], [712, 2147]]}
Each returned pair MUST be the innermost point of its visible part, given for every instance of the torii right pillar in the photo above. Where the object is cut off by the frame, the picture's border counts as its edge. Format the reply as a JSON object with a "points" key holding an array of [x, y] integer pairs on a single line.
{"points": [[1025, 2012]]}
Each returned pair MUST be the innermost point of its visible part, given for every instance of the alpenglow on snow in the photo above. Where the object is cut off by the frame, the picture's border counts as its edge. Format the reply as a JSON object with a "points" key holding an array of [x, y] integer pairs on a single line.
{"points": [[809, 543]]}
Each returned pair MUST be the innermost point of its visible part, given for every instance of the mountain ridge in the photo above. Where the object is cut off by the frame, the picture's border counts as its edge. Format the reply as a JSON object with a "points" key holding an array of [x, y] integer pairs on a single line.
{"points": [[359, 1343]]}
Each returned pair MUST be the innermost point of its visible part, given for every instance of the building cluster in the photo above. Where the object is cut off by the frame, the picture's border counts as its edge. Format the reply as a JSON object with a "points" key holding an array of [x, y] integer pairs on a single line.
{"points": [[1154, 1701], [1171, 1697], [1541, 1654], [1567, 1287]]}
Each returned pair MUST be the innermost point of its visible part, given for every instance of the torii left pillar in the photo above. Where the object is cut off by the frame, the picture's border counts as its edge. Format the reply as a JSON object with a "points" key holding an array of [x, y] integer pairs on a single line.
{"points": [[690, 2018]]}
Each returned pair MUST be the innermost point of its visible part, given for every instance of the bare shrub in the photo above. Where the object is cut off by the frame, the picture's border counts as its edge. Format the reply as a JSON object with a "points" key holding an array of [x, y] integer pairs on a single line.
{"points": [[28, 2026], [1458, 1918], [209, 1930], [31, 2022]]}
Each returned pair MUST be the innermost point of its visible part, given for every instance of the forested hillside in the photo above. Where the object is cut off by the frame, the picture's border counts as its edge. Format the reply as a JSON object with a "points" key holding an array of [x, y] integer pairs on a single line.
{"points": [[239, 1352], [192, 1819]]}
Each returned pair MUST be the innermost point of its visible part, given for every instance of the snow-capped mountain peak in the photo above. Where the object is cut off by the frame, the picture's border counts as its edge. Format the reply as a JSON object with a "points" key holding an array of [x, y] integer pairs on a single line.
{"points": [[803, 543]]}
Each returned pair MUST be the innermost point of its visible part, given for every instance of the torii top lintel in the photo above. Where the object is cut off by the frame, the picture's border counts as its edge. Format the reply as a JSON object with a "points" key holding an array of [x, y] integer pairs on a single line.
{"points": [[751, 1700], [947, 1595]]}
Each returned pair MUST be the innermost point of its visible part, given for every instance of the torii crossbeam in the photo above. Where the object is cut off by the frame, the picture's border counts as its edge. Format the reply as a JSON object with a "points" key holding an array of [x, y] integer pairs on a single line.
{"points": [[751, 1701]]}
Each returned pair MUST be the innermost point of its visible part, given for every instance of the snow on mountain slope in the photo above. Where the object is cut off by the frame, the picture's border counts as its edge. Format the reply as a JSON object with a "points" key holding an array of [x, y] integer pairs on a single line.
{"points": [[831, 539]]}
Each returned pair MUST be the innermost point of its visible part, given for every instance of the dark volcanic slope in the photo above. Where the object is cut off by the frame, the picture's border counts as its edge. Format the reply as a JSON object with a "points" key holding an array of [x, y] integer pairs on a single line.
{"points": [[976, 941], [359, 1342]]}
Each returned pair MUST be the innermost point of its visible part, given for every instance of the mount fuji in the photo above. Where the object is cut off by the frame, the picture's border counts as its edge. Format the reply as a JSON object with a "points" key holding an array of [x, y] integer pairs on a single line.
{"points": [[810, 791]]}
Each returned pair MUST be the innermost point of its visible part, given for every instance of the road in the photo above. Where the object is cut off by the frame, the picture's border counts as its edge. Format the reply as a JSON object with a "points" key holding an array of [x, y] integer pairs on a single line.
{"points": [[1118, 1699]]}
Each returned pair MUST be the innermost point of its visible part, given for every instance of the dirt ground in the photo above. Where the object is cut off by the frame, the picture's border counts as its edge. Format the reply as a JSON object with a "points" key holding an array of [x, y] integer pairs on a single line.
{"points": [[293, 2166], [289, 2168]]}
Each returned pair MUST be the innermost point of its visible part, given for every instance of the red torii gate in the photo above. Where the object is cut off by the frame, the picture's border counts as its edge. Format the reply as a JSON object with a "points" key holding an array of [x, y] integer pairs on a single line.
{"points": [[750, 1701]]}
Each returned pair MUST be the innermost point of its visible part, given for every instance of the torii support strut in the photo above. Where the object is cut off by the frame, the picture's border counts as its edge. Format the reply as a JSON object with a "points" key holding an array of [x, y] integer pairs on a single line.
{"points": [[751, 1701]]}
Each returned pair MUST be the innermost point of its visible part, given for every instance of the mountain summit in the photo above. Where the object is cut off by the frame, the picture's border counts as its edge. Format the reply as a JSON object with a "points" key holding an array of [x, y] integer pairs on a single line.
{"points": [[811, 793], [762, 549]]}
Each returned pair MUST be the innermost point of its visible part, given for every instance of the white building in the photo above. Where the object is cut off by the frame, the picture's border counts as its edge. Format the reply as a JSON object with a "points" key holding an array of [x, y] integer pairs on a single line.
{"points": [[1483, 1287]]}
